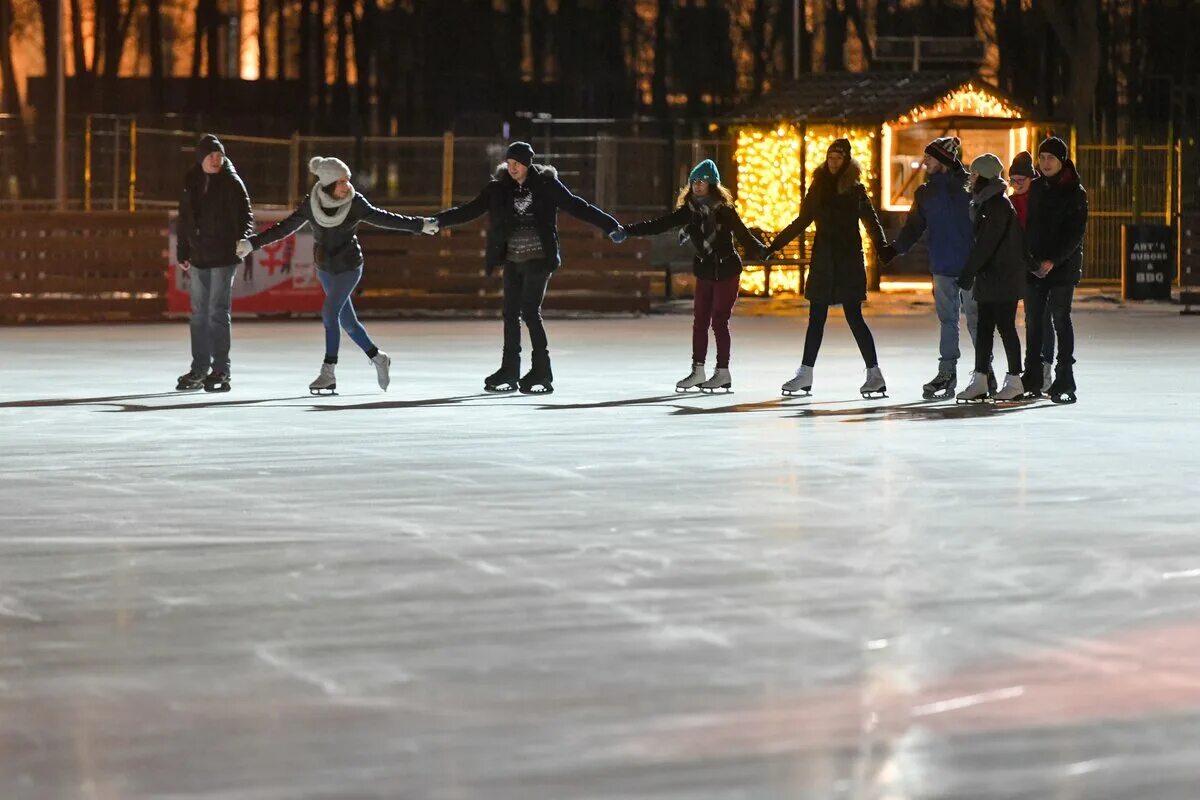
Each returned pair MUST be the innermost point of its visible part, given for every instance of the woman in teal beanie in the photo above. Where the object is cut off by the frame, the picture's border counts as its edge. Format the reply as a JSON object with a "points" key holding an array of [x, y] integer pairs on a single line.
{"points": [[705, 215]]}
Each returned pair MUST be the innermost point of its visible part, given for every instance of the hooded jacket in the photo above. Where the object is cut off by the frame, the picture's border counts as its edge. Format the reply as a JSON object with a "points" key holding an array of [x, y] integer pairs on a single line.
{"points": [[836, 203], [939, 211], [214, 214], [549, 196], [996, 267]]}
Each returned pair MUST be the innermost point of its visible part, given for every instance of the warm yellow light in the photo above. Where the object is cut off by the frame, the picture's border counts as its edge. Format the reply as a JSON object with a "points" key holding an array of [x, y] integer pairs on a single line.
{"points": [[248, 46], [785, 280], [768, 177], [966, 101], [753, 281], [905, 286]]}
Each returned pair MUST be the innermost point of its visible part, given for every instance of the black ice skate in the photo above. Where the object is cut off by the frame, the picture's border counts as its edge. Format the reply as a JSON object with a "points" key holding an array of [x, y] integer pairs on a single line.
{"points": [[539, 379], [504, 380], [216, 382], [1062, 391], [189, 382], [941, 387]]}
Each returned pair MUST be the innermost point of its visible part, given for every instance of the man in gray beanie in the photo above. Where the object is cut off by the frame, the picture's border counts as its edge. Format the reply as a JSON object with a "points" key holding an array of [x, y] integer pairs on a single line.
{"points": [[214, 214]]}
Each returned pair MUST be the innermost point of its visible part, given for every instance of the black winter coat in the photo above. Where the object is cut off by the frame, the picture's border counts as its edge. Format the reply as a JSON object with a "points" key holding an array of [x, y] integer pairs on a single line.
{"points": [[723, 260], [1058, 212], [998, 261], [213, 218], [838, 272], [549, 196], [337, 249]]}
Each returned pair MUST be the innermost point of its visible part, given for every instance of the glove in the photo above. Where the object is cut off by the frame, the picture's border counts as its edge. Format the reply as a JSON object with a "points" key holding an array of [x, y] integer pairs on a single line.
{"points": [[765, 253], [965, 283], [887, 253], [430, 226], [618, 235], [243, 249]]}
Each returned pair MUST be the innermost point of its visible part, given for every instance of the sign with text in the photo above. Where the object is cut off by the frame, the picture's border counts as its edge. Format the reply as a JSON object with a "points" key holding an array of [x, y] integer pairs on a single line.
{"points": [[278, 279], [1147, 262]]}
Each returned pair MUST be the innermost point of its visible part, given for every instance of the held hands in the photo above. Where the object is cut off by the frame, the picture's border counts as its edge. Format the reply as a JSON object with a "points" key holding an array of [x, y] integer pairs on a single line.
{"points": [[185, 265], [243, 249], [618, 235], [430, 226], [887, 253], [1044, 269]]}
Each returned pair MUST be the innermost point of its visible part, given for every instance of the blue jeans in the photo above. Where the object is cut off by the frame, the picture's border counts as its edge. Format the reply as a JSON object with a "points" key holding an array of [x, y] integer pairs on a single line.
{"points": [[950, 301], [339, 309], [212, 318]]}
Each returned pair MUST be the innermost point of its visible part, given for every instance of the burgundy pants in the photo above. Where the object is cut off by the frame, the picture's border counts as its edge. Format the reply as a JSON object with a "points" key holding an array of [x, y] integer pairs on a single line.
{"points": [[713, 307]]}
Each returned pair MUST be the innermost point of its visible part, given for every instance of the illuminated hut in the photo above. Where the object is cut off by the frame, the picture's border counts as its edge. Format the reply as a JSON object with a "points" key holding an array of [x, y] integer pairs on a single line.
{"points": [[888, 117]]}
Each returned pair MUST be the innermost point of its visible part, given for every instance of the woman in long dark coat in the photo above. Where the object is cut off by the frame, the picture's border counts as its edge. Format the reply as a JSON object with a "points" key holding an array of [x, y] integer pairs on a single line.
{"points": [[836, 201], [995, 274]]}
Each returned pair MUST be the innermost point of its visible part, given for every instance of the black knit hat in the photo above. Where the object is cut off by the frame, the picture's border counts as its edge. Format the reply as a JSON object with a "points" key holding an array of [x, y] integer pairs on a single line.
{"points": [[839, 146], [947, 150], [1022, 165], [521, 152], [1055, 147], [208, 144]]}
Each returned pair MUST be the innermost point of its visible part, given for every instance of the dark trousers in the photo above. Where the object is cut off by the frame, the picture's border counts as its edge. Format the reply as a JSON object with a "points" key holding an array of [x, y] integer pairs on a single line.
{"points": [[525, 285], [1044, 302], [817, 314], [712, 307], [1000, 317]]}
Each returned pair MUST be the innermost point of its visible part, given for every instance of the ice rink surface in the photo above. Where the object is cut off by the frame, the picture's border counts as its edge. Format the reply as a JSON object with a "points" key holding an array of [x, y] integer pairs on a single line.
{"points": [[609, 592]]}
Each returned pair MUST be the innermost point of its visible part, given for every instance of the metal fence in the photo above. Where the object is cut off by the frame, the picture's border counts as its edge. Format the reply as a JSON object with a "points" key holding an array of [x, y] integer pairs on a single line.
{"points": [[114, 164]]}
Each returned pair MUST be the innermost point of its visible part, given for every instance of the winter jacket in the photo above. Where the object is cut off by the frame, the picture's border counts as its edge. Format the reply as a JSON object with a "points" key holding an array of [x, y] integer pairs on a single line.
{"points": [[549, 196], [998, 261], [939, 211], [214, 215], [718, 259], [1058, 211], [837, 273], [336, 249]]}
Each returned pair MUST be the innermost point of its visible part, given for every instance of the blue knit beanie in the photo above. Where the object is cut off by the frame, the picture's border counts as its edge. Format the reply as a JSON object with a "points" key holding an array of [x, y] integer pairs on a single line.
{"points": [[706, 170]]}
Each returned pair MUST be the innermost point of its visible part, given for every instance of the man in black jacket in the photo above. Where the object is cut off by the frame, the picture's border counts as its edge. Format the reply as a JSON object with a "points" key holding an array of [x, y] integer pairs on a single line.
{"points": [[214, 214], [522, 203], [1058, 211]]}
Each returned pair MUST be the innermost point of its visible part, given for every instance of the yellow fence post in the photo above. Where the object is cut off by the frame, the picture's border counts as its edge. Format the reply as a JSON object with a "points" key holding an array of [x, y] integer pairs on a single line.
{"points": [[133, 165], [87, 163], [447, 169]]}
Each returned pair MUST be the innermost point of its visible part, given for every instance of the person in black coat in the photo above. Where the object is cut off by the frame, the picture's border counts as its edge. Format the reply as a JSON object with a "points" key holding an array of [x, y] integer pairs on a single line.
{"points": [[522, 202], [1058, 211], [836, 201], [214, 213], [334, 210], [995, 274], [707, 218]]}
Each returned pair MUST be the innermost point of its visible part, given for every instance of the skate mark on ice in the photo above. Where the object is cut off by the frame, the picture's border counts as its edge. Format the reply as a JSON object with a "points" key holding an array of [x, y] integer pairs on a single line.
{"points": [[633, 401], [744, 408], [83, 401], [920, 411], [120, 408], [386, 404], [297, 671]]}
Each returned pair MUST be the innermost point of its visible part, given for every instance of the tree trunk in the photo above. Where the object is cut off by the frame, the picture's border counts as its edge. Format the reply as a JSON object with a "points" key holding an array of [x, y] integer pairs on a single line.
{"points": [[1076, 25], [835, 37]]}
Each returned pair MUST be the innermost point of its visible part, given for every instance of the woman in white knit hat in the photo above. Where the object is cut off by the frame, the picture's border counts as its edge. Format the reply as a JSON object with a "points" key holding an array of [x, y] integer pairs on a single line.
{"points": [[334, 210]]}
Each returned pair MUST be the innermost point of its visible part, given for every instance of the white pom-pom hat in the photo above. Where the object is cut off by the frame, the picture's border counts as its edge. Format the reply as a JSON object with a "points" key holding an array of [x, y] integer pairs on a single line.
{"points": [[328, 170]]}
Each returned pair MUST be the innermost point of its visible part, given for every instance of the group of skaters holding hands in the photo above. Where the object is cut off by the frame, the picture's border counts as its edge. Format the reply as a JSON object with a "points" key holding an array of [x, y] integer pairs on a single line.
{"points": [[988, 250]]}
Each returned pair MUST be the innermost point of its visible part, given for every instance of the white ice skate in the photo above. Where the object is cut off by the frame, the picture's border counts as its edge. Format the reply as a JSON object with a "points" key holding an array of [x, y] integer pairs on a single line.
{"points": [[692, 381], [976, 391], [1012, 389], [383, 363], [720, 381], [325, 383], [799, 385], [875, 385]]}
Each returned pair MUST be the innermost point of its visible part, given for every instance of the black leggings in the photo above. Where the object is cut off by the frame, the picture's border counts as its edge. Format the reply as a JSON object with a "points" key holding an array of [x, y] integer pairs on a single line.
{"points": [[998, 317], [818, 313], [525, 285]]}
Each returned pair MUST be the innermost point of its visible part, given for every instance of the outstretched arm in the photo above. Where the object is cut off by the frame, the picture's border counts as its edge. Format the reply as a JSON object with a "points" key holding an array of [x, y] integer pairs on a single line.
{"points": [[807, 212], [748, 240], [676, 219], [391, 221], [868, 217], [460, 215], [280, 230], [583, 210], [914, 225]]}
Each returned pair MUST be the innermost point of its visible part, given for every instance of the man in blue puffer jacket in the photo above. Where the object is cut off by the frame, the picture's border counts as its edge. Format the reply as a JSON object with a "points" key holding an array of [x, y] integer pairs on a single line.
{"points": [[940, 212]]}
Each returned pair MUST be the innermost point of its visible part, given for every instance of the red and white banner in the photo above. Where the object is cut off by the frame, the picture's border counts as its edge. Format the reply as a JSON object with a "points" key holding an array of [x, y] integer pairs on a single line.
{"points": [[280, 278]]}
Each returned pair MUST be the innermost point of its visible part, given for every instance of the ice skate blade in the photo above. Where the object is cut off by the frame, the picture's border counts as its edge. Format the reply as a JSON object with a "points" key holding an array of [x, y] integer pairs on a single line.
{"points": [[330, 392], [796, 392], [716, 390], [501, 388], [879, 395], [687, 390], [971, 401], [538, 390], [938, 395], [217, 388], [1064, 399], [181, 388]]}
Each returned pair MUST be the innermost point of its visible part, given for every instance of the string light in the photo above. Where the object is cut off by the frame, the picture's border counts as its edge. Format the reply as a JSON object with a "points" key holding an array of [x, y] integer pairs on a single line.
{"points": [[768, 176], [966, 101]]}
